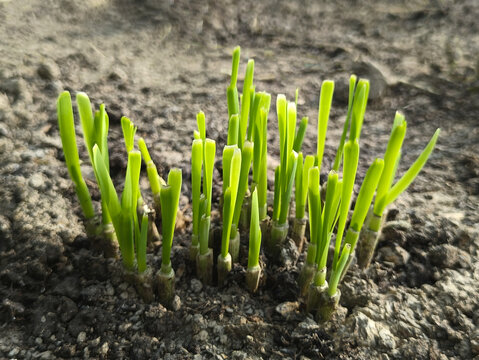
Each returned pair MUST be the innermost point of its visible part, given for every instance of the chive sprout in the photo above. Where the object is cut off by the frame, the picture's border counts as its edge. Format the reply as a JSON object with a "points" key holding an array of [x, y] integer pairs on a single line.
{"points": [[301, 192], [325, 100], [246, 158], [387, 192], [196, 168], [231, 179], [169, 197], [253, 271], [285, 174], [204, 259], [68, 137], [124, 216]]}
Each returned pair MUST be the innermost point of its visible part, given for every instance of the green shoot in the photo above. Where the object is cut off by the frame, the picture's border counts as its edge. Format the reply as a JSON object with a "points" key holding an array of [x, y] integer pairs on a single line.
{"points": [[254, 233], [359, 108], [245, 102], [336, 272], [201, 122], [123, 214], [392, 193], [155, 180], [232, 91], [365, 196], [351, 157], [68, 137], [233, 129], [209, 162], [129, 131], [325, 100], [339, 153], [328, 216], [288, 159], [170, 196], [314, 210], [231, 172], [260, 156], [393, 151], [286, 195], [196, 168], [301, 185], [298, 141], [141, 244], [246, 157], [277, 192]]}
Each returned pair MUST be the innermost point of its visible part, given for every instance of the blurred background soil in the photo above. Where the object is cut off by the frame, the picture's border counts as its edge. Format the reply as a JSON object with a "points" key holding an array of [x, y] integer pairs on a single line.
{"points": [[159, 63]]}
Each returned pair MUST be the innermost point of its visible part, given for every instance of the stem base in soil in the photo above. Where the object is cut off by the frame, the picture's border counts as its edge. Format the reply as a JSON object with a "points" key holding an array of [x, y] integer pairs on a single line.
{"points": [[253, 276], [224, 267], [204, 267], [165, 279], [327, 306]]}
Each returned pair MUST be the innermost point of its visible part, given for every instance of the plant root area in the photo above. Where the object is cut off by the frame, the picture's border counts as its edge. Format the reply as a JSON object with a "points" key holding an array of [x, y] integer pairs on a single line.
{"points": [[159, 63]]}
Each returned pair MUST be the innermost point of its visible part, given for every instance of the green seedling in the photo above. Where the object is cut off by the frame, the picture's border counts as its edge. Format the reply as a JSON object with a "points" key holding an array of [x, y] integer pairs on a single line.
{"points": [[232, 91], [68, 137], [300, 196], [204, 259], [328, 296], [325, 100], [124, 213], [314, 211], [387, 193], [253, 272], [246, 157], [284, 174], [231, 179], [95, 131], [169, 197], [298, 140], [260, 157], [245, 102], [196, 169]]}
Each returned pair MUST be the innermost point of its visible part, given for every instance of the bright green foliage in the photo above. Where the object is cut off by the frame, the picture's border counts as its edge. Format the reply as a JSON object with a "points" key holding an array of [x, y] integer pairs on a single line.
{"points": [[155, 180], [336, 272], [351, 157], [209, 162], [365, 195], [286, 194], [232, 176], [124, 215], [169, 197], [233, 129], [325, 100], [254, 233], [298, 141], [201, 122], [232, 91], [141, 244], [314, 210], [333, 195], [95, 131], [245, 102], [129, 131], [359, 108], [246, 157], [68, 137], [301, 185], [415, 168], [387, 194], [196, 168], [288, 159], [260, 156], [339, 153]]}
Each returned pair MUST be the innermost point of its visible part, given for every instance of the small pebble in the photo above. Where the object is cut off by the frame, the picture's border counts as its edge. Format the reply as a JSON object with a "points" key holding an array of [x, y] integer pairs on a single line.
{"points": [[81, 337]]}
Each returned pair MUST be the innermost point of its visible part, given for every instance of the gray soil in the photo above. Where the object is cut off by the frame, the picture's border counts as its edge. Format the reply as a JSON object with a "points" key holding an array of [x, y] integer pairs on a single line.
{"points": [[160, 62]]}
